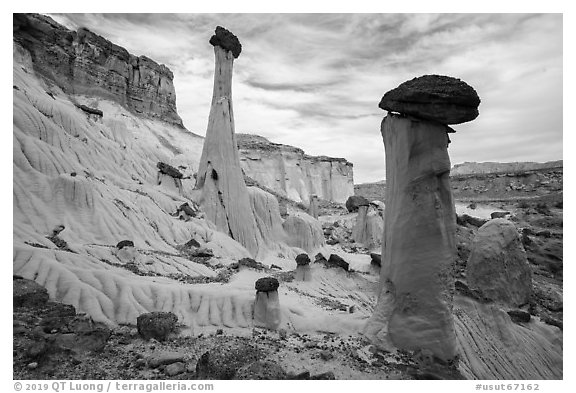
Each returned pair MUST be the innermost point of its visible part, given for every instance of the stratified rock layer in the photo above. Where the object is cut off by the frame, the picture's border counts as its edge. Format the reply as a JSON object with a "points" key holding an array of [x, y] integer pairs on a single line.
{"points": [[290, 172], [438, 98], [418, 252], [82, 62], [497, 265]]}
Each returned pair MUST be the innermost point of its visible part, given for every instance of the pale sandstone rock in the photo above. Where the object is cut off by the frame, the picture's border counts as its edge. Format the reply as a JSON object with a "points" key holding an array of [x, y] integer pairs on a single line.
{"points": [[418, 251], [304, 231], [497, 265]]}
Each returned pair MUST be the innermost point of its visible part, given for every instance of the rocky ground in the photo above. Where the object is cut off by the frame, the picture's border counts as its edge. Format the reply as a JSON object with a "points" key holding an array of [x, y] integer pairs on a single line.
{"points": [[52, 341]]}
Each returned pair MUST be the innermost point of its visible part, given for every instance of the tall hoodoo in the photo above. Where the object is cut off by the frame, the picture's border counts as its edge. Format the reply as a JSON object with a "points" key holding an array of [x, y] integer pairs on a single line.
{"points": [[224, 195], [418, 251]]}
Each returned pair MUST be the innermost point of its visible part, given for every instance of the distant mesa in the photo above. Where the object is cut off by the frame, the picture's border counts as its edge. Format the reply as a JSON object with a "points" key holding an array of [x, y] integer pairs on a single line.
{"points": [[226, 40], [438, 98]]}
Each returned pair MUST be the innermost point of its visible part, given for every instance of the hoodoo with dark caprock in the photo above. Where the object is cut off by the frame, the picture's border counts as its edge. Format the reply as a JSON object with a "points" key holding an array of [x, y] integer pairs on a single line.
{"points": [[419, 252], [224, 195]]}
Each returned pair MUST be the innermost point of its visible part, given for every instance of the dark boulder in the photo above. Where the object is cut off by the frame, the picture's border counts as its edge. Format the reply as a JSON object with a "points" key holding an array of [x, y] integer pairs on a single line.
{"points": [[354, 202], [251, 263], [169, 170], [465, 219], [437, 98], [224, 360], [302, 259], [267, 284], [519, 316], [90, 111], [124, 243], [319, 258], [499, 214], [192, 243], [226, 40], [84, 335], [337, 261], [157, 325]]}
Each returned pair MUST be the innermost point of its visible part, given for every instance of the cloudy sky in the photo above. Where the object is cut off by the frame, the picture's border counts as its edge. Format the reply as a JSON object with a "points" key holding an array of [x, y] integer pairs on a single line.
{"points": [[315, 80]]}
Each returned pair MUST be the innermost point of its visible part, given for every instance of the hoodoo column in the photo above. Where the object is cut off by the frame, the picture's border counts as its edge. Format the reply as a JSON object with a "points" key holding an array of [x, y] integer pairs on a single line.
{"points": [[224, 195], [414, 309]]}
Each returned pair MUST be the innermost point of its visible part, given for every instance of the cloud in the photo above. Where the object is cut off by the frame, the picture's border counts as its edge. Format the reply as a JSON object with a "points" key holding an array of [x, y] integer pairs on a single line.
{"points": [[315, 80]]}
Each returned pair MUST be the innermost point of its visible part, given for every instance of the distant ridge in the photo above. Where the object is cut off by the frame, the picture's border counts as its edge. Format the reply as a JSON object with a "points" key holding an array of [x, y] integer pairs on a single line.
{"points": [[475, 168]]}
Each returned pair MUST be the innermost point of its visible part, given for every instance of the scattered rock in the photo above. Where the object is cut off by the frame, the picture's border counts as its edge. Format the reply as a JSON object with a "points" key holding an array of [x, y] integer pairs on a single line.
{"points": [[261, 370], [124, 243], [355, 201], [438, 98], [175, 369], [185, 211], [251, 263], [169, 170], [85, 336], [157, 325], [192, 243], [32, 366], [519, 316], [28, 293], [319, 258], [91, 111], [337, 261], [499, 214], [466, 219], [162, 359], [224, 360], [203, 252]]}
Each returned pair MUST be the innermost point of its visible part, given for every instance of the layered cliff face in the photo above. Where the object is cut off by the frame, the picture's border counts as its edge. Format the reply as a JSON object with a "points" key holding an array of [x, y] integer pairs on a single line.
{"points": [[81, 62], [294, 174]]}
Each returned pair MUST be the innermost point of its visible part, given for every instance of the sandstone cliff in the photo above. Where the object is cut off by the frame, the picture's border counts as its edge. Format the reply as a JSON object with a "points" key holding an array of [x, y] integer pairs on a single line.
{"points": [[81, 62], [294, 174]]}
